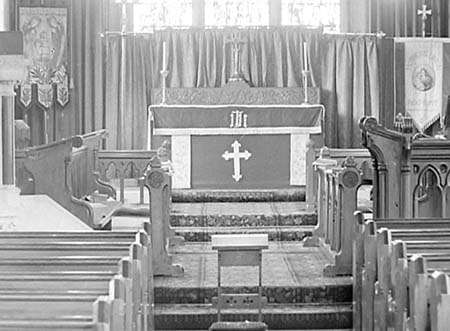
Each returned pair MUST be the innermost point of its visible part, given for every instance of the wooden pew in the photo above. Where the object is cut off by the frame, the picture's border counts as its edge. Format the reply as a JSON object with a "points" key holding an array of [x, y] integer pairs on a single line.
{"points": [[321, 156], [67, 171], [137, 269], [96, 200], [337, 199], [157, 181], [43, 170], [386, 271], [100, 310]]}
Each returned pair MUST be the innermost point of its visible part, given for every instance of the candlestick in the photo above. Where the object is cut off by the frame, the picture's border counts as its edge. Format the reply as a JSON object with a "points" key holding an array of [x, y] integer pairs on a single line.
{"points": [[305, 57], [164, 65]]}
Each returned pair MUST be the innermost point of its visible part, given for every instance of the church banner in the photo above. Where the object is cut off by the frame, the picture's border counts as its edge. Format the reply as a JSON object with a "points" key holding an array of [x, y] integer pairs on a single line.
{"points": [[421, 86], [45, 49]]}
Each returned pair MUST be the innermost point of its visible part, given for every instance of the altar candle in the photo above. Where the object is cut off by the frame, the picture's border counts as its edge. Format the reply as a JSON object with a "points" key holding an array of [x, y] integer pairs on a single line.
{"points": [[305, 57], [164, 66]]}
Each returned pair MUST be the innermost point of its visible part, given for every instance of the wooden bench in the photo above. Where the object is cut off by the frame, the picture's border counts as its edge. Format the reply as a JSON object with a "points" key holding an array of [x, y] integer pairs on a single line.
{"points": [[68, 172], [386, 270], [100, 312], [96, 200], [157, 181], [337, 199], [43, 170], [125, 284], [327, 156]]}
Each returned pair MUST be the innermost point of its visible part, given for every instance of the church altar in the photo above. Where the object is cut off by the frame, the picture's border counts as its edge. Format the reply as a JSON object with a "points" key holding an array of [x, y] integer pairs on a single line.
{"points": [[236, 146]]}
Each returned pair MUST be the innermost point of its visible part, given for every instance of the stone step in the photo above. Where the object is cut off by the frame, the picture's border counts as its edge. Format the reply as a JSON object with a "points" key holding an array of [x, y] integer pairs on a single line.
{"points": [[320, 294], [295, 317], [278, 233]]}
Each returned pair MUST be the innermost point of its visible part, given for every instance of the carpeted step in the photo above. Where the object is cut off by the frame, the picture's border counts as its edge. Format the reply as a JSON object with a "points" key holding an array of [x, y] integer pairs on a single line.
{"points": [[231, 214], [279, 233], [205, 195], [337, 293], [297, 317]]}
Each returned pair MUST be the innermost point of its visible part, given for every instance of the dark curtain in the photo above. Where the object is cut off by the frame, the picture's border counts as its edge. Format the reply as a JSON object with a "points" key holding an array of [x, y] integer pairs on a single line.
{"points": [[399, 18], [197, 58], [87, 95], [357, 80]]}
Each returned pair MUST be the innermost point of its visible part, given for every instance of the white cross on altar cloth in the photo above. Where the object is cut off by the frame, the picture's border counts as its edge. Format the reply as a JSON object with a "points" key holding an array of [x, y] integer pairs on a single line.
{"points": [[236, 156]]}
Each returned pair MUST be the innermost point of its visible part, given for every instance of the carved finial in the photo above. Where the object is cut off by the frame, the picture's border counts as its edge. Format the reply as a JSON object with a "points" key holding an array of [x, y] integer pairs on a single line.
{"points": [[403, 124], [163, 151], [324, 153], [155, 162], [349, 162], [368, 123]]}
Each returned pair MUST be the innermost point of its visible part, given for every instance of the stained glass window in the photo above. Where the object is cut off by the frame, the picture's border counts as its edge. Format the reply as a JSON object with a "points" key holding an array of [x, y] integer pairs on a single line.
{"points": [[149, 14], [325, 13], [236, 12]]}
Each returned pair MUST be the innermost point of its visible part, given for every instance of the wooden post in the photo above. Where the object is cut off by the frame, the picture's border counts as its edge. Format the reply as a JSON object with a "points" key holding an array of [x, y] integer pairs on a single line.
{"points": [[319, 167], [157, 182], [348, 181]]}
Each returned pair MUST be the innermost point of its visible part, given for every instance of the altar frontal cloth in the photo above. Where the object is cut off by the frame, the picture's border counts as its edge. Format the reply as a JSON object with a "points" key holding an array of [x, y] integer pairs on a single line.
{"points": [[236, 146], [182, 116]]}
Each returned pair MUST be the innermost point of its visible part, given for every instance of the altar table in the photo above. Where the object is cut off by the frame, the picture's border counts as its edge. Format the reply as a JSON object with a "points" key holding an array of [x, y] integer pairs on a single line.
{"points": [[236, 146]]}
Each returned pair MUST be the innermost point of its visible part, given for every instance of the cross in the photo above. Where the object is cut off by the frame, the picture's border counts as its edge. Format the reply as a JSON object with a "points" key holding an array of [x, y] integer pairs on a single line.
{"points": [[236, 156], [124, 18], [236, 42], [424, 12]]}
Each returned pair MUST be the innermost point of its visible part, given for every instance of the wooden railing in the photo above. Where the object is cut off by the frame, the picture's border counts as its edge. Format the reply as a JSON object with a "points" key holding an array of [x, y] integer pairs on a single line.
{"points": [[125, 164]]}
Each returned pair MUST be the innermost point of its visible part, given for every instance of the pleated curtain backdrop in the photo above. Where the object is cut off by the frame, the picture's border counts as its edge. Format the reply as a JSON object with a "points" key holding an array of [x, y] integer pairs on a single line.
{"points": [[352, 73], [197, 58], [357, 80]]}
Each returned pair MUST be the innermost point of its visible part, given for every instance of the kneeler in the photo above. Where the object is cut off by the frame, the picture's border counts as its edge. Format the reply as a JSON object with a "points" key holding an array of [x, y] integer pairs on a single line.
{"points": [[239, 251]]}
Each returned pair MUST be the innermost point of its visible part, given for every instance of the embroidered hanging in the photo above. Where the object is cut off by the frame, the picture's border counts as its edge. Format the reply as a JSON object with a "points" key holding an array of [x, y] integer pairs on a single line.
{"points": [[45, 48]]}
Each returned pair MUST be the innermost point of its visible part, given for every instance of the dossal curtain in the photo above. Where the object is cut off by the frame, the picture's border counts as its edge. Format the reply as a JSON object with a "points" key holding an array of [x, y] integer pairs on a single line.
{"points": [[198, 58], [357, 80], [353, 74]]}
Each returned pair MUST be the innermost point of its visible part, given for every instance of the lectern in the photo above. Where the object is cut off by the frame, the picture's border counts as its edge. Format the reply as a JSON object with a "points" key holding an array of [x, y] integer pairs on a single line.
{"points": [[239, 250]]}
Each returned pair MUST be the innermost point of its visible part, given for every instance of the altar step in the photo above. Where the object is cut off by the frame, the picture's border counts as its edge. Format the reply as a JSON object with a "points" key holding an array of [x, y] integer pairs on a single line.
{"points": [[275, 233], [298, 317], [299, 296], [207, 195], [241, 214]]}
